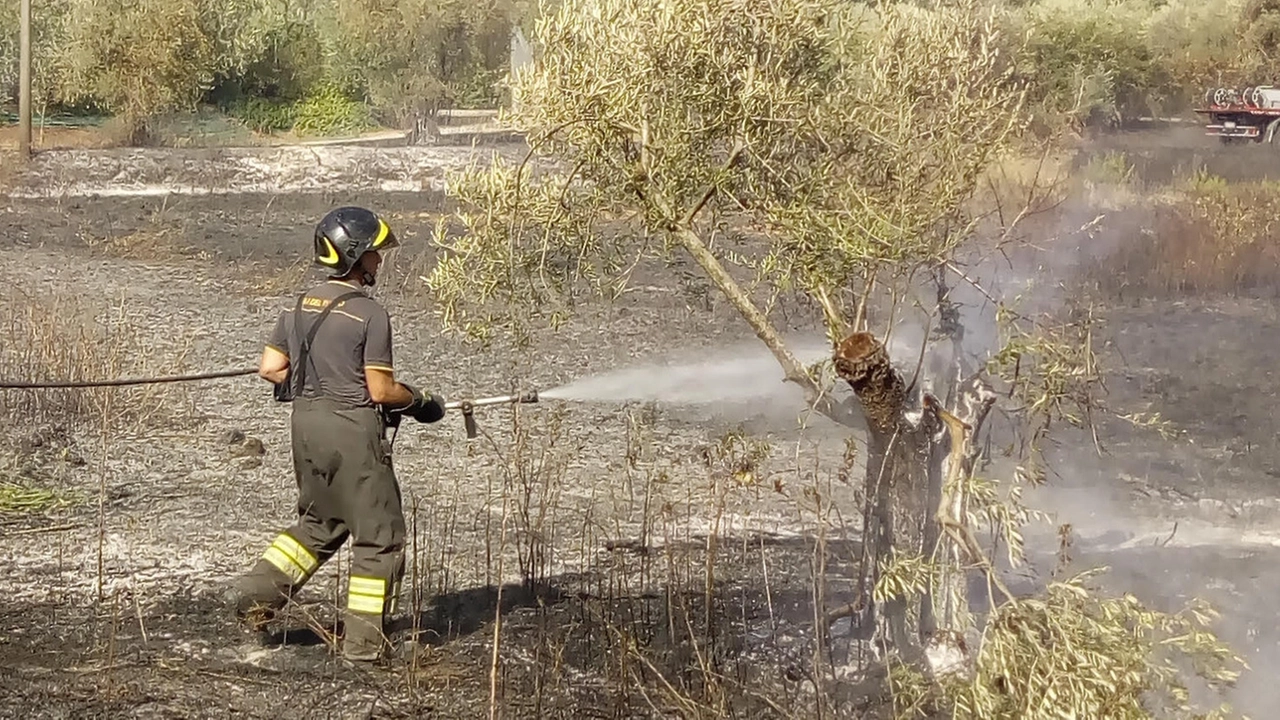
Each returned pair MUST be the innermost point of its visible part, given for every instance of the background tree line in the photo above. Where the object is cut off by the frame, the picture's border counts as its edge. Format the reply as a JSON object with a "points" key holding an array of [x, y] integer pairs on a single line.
{"points": [[325, 66], [317, 66]]}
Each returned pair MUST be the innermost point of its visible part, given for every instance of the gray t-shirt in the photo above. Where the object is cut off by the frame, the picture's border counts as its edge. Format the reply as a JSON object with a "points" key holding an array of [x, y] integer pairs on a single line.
{"points": [[355, 335]]}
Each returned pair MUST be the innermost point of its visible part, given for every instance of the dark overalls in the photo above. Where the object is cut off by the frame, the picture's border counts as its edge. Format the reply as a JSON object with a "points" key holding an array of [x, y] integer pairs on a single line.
{"points": [[347, 487]]}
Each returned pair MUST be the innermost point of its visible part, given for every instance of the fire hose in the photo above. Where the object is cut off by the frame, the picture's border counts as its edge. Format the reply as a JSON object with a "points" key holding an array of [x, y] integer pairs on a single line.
{"points": [[466, 407], [55, 384]]}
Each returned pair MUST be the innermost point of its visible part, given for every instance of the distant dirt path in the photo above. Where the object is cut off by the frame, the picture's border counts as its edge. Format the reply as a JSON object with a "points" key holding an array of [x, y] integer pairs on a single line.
{"points": [[131, 172]]}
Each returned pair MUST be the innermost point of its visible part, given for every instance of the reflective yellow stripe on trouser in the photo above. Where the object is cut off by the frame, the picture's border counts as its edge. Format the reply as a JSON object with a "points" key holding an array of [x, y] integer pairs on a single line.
{"points": [[291, 558], [367, 595]]}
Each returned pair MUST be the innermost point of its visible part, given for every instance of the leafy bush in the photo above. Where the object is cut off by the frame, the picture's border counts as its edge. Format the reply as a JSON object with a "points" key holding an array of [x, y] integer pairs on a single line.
{"points": [[1075, 653], [437, 46], [480, 89], [328, 110], [291, 64], [140, 58], [47, 20], [1111, 168], [1198, 45], [1088, 60], [1259, 34], [262, 115]]}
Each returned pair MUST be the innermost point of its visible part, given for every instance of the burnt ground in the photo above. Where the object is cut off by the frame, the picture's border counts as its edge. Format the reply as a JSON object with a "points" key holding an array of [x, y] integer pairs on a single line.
{"points": [[110, 604]]}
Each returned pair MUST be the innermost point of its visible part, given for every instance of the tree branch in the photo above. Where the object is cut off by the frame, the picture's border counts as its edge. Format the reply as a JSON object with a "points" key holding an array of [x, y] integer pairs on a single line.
{"points": [[711, 189], [792, 368]]}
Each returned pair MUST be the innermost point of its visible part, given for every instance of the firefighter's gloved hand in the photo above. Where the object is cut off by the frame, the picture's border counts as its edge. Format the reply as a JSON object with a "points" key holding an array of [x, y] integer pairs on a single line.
{"points": [[426, 407]]}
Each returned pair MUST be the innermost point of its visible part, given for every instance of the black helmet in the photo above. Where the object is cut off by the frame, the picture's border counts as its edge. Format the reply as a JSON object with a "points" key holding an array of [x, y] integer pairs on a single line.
{"points": [[345, 234]]}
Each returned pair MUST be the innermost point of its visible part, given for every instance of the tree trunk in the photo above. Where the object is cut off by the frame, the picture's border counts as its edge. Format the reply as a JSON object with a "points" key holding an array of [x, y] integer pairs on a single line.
{"points": [[919, 459], [894, 488], [917, 471]]}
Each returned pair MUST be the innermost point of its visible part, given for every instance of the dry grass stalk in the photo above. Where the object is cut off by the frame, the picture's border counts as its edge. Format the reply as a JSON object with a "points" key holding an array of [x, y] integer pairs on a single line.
{"points": [[10, 165], [69, 338], [286, 280], [1208, 239], [105, 431], [151, 244]]}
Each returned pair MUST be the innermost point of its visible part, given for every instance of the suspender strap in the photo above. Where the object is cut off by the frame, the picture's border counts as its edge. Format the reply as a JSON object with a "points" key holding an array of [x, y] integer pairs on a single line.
{"points": [[305, 353]]}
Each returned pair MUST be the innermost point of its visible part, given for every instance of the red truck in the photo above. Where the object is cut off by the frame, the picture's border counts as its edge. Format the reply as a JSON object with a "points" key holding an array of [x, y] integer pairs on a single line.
{"points": [[1249, 115]]}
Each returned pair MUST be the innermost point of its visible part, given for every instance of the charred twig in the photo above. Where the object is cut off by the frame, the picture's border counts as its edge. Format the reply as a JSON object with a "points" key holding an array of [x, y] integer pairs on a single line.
{"points": [[924, 348], [41, 531]]}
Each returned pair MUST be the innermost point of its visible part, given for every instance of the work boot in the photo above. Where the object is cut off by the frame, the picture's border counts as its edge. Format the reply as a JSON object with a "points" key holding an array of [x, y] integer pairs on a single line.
{"points": [[257, 596], [363, 639]]}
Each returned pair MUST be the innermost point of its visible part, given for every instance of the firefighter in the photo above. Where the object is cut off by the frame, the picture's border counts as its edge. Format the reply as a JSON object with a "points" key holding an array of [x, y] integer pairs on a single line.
{"points": [[331, 356]]}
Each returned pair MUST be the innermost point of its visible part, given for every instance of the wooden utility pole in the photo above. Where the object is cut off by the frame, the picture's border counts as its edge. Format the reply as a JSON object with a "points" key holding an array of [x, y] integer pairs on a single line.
{"points": [[24, 79]]}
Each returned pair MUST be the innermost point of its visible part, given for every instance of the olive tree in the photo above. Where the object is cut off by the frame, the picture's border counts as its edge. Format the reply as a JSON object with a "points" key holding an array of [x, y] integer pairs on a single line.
{"points": [[46, 26], [410, 55], [848, 144], [135, 59]]}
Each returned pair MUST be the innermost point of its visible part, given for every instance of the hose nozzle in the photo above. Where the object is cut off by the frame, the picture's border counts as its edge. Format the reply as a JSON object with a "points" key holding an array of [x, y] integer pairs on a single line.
{"points": [[468, 406]]}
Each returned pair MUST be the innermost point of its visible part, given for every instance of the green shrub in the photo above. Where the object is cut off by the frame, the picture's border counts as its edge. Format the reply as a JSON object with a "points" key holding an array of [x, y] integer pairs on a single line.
{"points": [[47, 20], [1198, 45], [263, 115], [328, 110], [141, 58], [1089, 61], [291, 63], [479, 89], [1212, 239], [438, 50], [1259, 34], [1111, 168]]}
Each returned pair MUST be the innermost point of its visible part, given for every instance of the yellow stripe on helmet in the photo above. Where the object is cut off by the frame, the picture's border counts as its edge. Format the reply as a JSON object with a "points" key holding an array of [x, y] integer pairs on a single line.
{"points": [[330, 256], [383, 231]]}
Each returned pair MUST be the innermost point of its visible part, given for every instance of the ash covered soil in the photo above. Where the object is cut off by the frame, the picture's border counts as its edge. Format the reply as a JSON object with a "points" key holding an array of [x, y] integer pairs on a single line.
{"points": [[111, 604]]}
